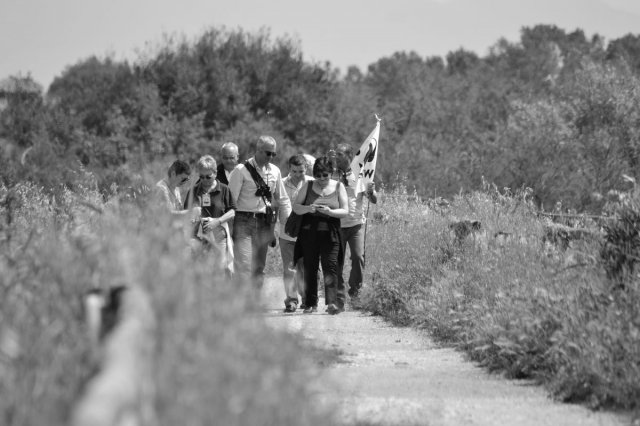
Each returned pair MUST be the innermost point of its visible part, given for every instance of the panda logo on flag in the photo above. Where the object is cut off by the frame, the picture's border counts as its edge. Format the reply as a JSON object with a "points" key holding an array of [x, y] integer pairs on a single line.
{"points": [[368, 159]]}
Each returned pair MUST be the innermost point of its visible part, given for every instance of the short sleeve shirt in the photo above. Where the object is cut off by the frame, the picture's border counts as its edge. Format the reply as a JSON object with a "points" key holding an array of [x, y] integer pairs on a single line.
{"points": [[214, 203], [170, 198]]}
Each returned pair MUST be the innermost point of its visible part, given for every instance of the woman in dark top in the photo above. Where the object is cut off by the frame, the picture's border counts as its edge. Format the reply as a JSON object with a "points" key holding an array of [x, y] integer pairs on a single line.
{"points": [[211, 229], [319, 237]]}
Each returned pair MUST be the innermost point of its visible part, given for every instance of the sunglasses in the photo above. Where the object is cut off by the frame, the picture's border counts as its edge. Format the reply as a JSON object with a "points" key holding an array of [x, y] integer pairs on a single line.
{"points": [[321, 175], [184, 180], [206, 177], [270, 153]]}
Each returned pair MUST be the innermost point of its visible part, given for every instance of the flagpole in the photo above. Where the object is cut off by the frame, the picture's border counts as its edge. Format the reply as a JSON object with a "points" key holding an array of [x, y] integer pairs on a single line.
{"points": [[364, 242]]}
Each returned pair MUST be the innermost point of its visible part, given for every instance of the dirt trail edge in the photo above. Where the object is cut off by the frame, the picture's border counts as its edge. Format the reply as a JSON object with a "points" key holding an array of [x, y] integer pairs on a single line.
{"points": [[398, 376]]}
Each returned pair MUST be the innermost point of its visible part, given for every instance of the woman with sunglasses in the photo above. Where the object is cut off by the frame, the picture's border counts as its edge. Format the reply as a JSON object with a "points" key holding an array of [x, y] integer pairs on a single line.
{"points": [[319, 238], [211, 230]]}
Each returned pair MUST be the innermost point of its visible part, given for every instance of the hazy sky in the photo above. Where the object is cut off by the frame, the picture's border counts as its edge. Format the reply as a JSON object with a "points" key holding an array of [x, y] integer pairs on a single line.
{"points": [[44, 36]]}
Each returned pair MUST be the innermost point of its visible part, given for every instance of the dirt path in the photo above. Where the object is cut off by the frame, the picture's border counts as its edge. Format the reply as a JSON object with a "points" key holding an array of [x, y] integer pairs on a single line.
{"points": [[398, 376]]}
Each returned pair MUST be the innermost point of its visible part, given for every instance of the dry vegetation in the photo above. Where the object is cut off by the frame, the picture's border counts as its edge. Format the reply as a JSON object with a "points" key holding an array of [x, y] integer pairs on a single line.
{"points": [[216, 361], [568, 318]]}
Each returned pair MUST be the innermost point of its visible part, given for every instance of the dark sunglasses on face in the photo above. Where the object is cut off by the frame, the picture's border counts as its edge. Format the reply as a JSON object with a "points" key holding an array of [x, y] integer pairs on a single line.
{"points": [[206, 177], [321, 175], [184, 180], [270, 153]]}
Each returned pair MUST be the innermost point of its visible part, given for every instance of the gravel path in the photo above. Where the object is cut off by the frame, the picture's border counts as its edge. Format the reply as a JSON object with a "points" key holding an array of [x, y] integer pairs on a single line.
{"points": [[398, 376]]}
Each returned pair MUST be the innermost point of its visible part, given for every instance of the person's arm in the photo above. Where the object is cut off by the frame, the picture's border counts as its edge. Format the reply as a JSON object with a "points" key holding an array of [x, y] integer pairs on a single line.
{"points": [[343, 200], [284, 203], [163, 195], [298, 205], [283, 214], [230, 207], [229, 214], [214, 222], [235, 183], [179, 212], [352, 199], [188, 200]]}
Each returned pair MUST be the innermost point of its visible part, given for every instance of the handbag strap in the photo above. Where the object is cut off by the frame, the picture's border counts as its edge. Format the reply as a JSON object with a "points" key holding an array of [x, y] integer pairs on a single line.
{"points": [[309, 184]]}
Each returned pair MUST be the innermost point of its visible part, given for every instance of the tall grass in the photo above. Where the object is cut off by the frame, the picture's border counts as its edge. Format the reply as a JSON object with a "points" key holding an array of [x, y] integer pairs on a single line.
{"points": [[44, 356], [217, 362], [516, 305]]}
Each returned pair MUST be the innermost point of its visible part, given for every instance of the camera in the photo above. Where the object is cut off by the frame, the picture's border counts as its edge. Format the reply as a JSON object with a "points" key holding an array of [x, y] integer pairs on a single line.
{"points": [[263, 191]]}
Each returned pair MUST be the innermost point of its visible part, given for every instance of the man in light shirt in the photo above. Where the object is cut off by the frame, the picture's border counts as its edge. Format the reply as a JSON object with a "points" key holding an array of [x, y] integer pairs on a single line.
{"points": [[351, 227], [253, 223], [292, 275], [229, 153]]}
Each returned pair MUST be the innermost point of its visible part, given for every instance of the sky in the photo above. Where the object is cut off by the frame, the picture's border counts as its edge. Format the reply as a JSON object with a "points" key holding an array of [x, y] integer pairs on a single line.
{"points": [[43, 37]]}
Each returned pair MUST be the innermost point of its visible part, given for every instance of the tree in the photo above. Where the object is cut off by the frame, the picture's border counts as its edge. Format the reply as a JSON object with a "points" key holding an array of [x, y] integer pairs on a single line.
{"points": [[626, 49], [22, 116], [461, 61], [91, 89]]}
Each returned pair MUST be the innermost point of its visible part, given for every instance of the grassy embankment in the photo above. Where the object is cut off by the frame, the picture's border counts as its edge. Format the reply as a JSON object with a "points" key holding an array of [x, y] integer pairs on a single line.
{"points": [[519, 306], [215, 362]]}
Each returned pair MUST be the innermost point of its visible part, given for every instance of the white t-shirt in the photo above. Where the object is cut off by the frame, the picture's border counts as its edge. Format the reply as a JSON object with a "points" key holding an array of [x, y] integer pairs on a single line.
{"points": [[356, 212], [172, 200], [292, 192]]}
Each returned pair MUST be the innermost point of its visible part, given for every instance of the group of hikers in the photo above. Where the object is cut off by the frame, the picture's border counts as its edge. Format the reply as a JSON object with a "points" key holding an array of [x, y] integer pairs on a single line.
{"points": [[234, 207]]}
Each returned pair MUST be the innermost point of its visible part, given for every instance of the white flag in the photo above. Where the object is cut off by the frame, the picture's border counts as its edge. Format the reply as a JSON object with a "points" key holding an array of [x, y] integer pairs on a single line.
{"points": [[363, 165]]}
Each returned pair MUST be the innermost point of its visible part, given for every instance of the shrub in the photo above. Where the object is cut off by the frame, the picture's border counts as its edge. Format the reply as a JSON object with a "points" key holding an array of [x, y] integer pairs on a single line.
{"points": [[216, 360], [620, 252], [516, 305]]}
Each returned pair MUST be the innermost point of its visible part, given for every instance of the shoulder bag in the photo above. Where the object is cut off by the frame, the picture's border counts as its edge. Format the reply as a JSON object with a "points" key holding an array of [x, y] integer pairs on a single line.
{"points": [[294, 221]]}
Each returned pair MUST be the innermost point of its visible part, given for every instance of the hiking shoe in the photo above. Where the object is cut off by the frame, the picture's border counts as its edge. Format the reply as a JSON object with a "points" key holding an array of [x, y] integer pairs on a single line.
{"points": [[290, 304], [310, 309], [332, 309]]}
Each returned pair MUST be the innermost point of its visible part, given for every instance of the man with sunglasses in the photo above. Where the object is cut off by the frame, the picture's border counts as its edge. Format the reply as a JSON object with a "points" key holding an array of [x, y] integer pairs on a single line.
{"points": [[351, 227], [257, 188], [230, 155]]}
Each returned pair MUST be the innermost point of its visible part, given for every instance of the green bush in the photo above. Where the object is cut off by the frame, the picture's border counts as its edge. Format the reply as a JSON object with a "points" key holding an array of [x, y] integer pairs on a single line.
{"points": [[620, 252], [517, 305]]}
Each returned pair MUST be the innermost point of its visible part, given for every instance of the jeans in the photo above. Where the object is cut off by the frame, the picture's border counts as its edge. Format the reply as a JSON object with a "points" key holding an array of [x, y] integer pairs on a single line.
{"points": [[292, 275], [323, 250], [354, 236], [251, 238]]}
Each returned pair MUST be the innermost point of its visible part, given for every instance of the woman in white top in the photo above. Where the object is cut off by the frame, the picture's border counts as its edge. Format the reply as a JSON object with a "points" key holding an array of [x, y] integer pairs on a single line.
{"points": [[168, 189]]}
